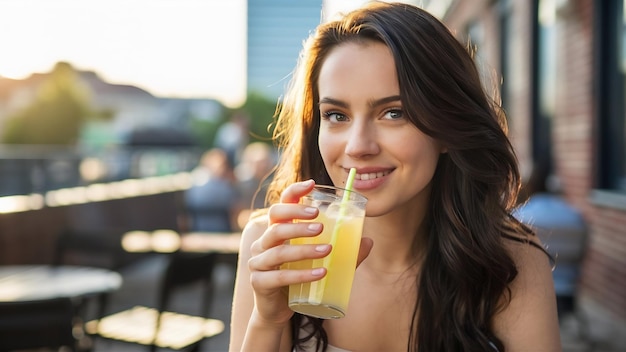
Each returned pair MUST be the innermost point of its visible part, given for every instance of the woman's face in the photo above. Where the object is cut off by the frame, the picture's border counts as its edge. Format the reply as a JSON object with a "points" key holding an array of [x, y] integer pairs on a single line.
{"points": [[363, 125]]}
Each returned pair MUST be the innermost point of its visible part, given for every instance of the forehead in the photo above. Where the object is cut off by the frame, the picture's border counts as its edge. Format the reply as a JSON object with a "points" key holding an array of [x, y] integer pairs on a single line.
{"points": [[358, 68]]}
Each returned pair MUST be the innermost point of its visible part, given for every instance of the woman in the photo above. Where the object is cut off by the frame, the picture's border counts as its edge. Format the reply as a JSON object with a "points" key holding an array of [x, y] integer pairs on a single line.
{"points": [[443, 266]]}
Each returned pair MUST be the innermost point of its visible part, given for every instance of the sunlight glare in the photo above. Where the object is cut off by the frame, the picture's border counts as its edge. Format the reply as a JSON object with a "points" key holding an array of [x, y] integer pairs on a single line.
{"points": [[172, 48]]}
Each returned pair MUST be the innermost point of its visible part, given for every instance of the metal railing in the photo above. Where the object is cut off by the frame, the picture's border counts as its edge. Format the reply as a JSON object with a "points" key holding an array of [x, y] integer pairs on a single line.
{"points": [[26, 170]]}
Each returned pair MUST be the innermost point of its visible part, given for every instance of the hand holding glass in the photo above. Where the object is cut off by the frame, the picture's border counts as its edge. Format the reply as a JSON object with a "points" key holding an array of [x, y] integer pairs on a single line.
{"points": [[342, 218]]}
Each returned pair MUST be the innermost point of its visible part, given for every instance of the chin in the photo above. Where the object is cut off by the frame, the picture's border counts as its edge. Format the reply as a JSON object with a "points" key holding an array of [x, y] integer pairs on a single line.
{"points": [[372, 211]]}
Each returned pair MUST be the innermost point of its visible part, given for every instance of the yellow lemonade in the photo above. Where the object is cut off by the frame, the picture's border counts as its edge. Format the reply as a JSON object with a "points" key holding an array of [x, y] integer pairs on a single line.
{"points": [[328, 297]]}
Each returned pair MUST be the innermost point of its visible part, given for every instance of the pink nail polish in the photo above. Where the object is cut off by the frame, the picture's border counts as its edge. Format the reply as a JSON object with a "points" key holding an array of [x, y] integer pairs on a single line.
{"points": [[321, 248], [317, 272], [314, 227]]}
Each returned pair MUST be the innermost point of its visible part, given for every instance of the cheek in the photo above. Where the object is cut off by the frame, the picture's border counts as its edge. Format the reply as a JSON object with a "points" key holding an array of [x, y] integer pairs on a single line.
{"points": [[423, 156], [329, 147]]}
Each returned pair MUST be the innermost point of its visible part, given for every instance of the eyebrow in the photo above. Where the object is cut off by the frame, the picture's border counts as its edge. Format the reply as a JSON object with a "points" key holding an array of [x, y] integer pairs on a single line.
{"points": [[371, 103]]}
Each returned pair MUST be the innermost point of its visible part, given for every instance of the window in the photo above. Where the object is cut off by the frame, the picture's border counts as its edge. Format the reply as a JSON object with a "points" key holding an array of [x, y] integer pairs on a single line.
{"points": [[544, 84], [610, 65]]}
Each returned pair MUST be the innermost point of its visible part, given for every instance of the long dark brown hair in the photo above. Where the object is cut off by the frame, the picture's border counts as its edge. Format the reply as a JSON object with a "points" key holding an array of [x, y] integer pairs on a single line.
{"points": [[466, 270]]}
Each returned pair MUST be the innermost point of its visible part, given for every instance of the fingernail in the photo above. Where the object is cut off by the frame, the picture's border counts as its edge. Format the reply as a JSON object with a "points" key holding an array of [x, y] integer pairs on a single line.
{"points": [[314, 227], [321, 248], [317, 272], [307, 183], [310, 210]]}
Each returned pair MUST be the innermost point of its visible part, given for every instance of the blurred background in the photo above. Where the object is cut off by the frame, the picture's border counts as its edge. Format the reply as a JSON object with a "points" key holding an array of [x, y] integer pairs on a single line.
{"points": [[108, 109]]}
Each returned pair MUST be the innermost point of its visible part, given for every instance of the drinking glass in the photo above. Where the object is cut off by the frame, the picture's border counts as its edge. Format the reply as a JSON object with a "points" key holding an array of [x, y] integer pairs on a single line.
{"points": [[342, 218]]}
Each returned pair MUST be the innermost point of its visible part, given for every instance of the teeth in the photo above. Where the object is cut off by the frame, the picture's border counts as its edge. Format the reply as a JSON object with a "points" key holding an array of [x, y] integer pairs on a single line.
{"points": [[371, 176]]}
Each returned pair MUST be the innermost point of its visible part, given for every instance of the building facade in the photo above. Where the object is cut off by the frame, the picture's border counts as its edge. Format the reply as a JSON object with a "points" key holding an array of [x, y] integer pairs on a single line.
{"points": [[276, 31], [561, 65]]}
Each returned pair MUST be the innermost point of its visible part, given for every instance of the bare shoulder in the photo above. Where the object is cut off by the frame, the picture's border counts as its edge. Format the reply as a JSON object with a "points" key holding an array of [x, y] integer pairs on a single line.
{"points": [[529, 321], [534, 272], [529, 258]]}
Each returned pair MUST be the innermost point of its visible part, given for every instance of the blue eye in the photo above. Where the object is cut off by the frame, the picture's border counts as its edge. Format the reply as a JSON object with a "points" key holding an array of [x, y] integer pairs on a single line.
{"points": [[334, 116], [394, 114]]}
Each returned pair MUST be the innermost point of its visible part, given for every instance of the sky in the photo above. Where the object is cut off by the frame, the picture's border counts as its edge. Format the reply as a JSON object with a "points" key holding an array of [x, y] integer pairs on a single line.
{"points": [[172, 48]]}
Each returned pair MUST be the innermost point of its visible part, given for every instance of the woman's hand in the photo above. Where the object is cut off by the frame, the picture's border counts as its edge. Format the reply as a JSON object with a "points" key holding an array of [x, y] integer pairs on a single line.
{"points": [[272, 250], [260, 311]]}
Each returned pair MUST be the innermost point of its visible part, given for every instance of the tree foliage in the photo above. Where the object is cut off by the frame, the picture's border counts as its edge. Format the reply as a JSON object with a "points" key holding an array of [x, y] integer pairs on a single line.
{"points": [[258, 109], [261, 111], [56, 115], [204, 131]]}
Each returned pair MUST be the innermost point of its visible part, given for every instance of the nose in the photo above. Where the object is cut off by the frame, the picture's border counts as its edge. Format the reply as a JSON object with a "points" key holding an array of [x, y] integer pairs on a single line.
{"points": [[362, 140]]}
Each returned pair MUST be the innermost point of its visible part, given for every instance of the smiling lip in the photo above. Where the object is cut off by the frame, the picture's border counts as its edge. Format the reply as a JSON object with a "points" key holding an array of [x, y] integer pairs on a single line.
{"points": [[371, 175], [369, 178]]}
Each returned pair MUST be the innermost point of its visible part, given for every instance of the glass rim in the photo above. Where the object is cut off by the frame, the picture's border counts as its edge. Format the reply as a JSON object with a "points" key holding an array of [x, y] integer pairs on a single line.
{"points": [[335, 188]]}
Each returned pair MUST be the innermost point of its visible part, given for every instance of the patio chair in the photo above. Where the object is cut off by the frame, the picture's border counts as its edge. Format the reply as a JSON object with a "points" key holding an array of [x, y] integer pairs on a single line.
{"points": [[39, 324], [159, 327]]}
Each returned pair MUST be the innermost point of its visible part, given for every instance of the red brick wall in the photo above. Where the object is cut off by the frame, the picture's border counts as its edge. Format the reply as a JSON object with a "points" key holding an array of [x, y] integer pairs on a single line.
{"points": [[465, 12], [573, 126], [604, 269], [604, 272], [575, 144]]}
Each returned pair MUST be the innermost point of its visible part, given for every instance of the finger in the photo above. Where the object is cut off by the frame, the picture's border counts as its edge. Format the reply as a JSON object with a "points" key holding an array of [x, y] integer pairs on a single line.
{"points": [[364, 249], [294, 192], [275, 257], [278, 234], [268, 280], [287, 212]]}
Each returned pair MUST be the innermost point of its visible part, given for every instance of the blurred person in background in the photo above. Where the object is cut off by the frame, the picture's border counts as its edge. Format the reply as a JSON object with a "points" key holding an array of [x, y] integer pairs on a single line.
{"points": [[253, 175], [232, 136], [210, 205]]}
